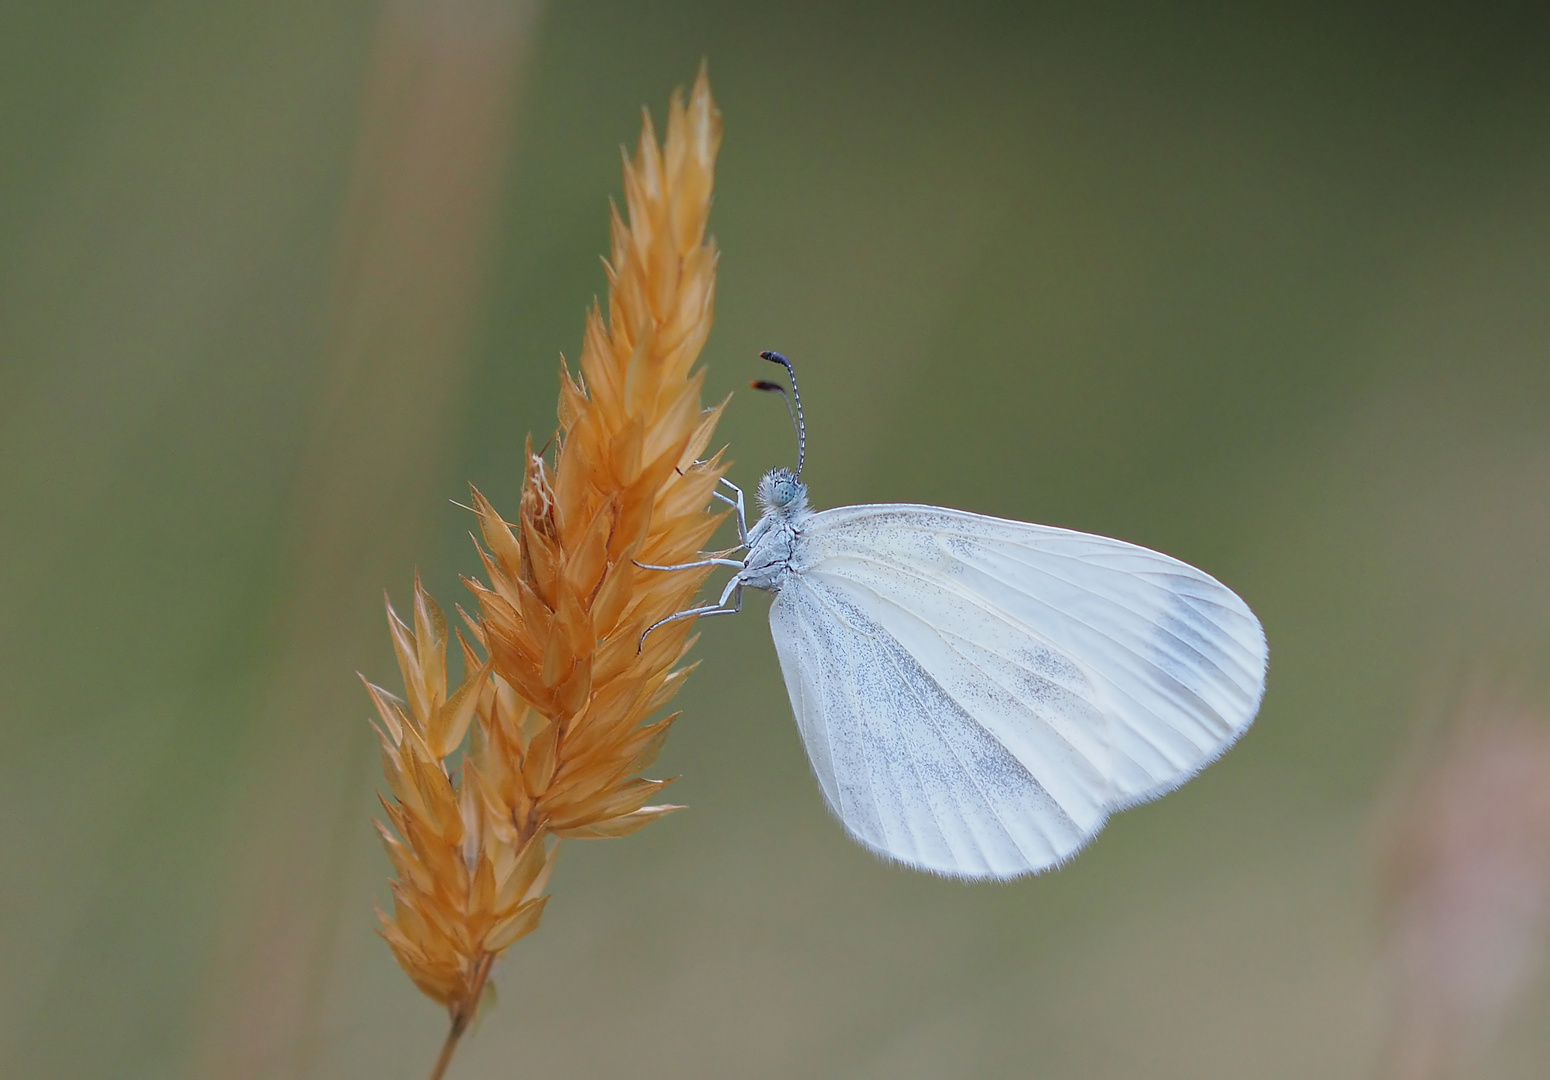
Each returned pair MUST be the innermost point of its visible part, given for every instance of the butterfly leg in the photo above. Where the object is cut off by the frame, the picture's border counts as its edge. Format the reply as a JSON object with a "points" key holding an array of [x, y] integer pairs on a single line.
{"points": [[737, 504], [738, 563], [733, 592], [742, 534]]}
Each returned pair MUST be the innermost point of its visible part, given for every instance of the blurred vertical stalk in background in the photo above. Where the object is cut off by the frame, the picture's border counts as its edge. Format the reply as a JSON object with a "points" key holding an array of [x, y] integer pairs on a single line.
{"points": [[564, 699], [435, 139], [1465, 880]]}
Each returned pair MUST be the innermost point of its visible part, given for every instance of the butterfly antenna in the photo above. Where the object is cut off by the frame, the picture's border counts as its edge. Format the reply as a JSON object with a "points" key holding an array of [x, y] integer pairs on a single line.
{"points": [[778, 388], [796, 395]]}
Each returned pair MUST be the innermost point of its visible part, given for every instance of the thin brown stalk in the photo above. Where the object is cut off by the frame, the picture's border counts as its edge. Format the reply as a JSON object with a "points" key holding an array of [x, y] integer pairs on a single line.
{"points": [[557, 692], [460, 1021]]}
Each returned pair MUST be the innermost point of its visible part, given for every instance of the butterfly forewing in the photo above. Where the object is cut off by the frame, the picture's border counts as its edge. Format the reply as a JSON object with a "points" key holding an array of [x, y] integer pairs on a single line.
{"points": [[1105, 672]]}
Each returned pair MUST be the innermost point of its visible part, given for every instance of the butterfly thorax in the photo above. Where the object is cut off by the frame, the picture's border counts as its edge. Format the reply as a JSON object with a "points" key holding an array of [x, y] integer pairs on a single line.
{"points": [[772, 542]]}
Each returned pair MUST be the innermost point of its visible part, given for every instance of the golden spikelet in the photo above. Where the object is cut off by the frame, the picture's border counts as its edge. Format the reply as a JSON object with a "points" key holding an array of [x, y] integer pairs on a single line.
{"points": [[559, 706]]}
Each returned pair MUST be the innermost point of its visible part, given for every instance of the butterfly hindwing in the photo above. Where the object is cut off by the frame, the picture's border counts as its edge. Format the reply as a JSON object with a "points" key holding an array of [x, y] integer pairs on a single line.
{"points": [[902, 764]]}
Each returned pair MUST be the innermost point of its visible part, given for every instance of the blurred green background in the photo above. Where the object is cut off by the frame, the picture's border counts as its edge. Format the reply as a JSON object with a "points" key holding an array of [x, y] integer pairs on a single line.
{"points": [[1264, 286]]}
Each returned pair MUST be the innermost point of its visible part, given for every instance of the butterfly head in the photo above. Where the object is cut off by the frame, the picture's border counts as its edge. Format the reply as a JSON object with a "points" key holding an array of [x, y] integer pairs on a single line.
{"points": [[781, 492]]}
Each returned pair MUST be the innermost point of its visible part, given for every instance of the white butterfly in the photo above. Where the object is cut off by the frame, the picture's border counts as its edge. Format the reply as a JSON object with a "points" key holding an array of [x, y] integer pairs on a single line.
{"points": [[978, 695]]}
